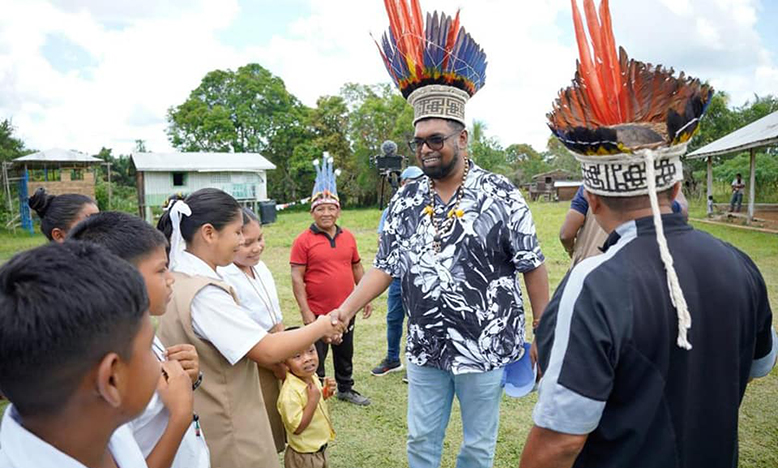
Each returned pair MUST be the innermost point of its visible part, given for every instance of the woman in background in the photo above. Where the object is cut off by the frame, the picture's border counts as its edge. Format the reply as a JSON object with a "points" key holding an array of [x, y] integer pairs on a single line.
{"points": [[59, 213]]}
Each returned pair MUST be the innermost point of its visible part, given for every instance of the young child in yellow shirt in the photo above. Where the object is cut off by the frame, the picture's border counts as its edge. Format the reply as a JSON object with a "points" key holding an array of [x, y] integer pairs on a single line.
{"points": [[304, 412]]}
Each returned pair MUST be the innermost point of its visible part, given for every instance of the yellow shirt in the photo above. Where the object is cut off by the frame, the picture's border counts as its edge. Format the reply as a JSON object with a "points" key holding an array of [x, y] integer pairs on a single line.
{"points": [[291, 404]]}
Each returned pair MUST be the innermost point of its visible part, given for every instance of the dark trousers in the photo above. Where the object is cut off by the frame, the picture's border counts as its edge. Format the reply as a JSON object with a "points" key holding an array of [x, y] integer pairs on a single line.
{"points": [[395, 314], [342, 357]]}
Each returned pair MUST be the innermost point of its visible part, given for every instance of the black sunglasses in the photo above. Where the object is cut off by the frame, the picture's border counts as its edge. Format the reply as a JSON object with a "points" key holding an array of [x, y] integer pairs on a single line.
{"points": [[435, 142]]}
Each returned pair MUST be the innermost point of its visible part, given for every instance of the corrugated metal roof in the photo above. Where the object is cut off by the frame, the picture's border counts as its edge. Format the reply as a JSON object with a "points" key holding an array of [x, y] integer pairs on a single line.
{"points": [[201, 162], [763, 132], [58, 155]]}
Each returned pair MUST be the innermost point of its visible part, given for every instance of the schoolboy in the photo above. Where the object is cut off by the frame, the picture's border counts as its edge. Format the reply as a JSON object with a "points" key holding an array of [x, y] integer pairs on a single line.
{"points": [[167, 431], [304, 412], [75, 335]]}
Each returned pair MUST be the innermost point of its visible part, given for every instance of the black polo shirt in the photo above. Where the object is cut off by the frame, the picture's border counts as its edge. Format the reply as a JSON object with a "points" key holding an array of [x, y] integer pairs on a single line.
{"points": [[613, 370]]}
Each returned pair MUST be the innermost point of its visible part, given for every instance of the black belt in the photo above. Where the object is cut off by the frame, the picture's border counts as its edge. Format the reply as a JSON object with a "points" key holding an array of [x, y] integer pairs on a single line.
{"points": [[321, 449]]}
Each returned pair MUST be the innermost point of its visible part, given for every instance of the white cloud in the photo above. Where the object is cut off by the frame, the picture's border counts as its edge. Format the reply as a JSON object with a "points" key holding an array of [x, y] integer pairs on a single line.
{"points": [[146, 56]]}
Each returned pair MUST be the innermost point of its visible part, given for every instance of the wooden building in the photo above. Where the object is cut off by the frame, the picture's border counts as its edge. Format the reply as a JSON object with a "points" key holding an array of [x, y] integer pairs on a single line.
{"points": [[159, 175]]}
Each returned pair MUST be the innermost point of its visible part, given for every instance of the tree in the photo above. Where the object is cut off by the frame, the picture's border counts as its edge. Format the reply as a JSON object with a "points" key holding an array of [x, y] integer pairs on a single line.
{"points": [[486, 151], [525, 163], [559, 157], [376, 113], [122, 172], [10, 146], [328, 126], [248, 110]]}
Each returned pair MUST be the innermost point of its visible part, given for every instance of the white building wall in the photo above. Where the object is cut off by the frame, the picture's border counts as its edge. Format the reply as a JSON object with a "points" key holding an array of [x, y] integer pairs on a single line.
{"points": [[244, 186]]}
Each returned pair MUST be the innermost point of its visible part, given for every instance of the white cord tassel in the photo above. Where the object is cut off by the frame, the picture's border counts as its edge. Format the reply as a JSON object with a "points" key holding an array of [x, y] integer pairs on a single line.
{"points": [[676, 294]]}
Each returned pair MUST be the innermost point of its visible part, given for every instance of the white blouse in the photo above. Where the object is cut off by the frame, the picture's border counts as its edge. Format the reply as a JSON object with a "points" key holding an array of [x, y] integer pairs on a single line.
{"points": [[215, 315], [258, 294]]}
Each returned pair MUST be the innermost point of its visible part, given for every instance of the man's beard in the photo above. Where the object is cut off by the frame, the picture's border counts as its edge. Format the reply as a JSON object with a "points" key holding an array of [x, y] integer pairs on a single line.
{"points": [[444, 170]]}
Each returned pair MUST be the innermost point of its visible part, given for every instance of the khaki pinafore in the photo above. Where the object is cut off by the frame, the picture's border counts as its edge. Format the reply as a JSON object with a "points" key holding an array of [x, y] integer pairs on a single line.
{"points": [[229, 402]]}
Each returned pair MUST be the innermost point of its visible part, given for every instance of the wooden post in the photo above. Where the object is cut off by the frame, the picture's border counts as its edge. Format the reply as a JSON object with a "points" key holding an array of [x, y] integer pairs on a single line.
{"points": [[8, 188], [751, 188], [710, 178], [110, 191]]}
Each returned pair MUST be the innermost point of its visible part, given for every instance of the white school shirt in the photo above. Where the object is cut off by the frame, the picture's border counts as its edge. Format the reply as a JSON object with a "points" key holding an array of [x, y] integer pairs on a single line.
{"points": [[23, 449], [151, 424], [215, 315], [255, 294]]}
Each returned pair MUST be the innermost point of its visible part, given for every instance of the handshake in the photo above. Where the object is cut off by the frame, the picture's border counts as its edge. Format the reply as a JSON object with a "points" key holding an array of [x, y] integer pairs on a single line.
{"points": [[334, 326]]}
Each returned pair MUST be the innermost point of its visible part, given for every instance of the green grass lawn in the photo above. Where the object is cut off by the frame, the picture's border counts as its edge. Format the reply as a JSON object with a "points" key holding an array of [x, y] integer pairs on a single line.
{"points": [[374, 436]]}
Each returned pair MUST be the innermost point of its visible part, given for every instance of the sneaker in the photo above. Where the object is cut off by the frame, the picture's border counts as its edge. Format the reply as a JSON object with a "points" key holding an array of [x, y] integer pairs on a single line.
{"points": [[405, 378], [353, 396], [386, 367]]}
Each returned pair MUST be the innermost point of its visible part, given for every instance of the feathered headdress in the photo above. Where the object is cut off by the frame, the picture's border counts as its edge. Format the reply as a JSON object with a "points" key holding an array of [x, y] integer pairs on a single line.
{"points": [[618, 105], [628, 123], [435, 64], [325, 188]]}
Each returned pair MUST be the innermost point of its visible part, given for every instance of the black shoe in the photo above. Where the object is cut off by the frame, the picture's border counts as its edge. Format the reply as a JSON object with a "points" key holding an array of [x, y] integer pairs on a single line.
{"points": [[386, 367], [352, 396]]}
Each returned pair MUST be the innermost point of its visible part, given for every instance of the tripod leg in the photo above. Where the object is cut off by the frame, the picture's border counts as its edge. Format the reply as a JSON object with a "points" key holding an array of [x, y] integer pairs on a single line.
{"points": [[381, 199]]}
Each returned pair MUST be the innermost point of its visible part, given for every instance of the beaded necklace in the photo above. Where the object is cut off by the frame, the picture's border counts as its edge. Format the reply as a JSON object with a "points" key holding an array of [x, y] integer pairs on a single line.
{"points": [[442, 227], [266, 300]]}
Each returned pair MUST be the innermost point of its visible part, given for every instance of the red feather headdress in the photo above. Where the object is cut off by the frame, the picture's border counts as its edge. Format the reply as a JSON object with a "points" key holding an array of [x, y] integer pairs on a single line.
{"points": [[628, 123], [618, 105]]}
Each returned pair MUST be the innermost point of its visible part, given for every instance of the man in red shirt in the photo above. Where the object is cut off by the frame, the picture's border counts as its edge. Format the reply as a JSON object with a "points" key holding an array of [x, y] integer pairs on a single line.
{"points": [[325, 267]]}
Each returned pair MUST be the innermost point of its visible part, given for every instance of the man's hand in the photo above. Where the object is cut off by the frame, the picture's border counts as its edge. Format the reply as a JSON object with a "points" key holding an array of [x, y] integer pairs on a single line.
{"points": [[175, 390], [186, 355], [367, 311], [335, 327], [533, 357], [328, 387], [335, 320]]}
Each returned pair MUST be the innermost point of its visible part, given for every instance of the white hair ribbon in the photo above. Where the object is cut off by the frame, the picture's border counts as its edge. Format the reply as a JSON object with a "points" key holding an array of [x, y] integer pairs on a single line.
{"points": [[177, 242]]}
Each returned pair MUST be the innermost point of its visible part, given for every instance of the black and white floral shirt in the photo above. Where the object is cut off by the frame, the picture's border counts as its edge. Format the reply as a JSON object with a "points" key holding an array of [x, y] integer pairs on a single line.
{"points": [[464, 305]]}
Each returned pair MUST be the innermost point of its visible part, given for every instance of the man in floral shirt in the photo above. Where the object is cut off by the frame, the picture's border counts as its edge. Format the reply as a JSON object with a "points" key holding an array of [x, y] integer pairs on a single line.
{"points": [[456, 238]]}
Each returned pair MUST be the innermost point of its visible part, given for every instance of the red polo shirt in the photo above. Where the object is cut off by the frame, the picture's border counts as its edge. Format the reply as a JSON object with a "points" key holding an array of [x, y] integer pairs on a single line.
{"points": [[329, 277]]}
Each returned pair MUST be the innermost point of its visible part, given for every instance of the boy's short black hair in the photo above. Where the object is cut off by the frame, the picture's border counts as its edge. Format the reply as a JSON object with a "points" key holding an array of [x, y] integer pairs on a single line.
{"points": [[63, 307], [125, 235]]}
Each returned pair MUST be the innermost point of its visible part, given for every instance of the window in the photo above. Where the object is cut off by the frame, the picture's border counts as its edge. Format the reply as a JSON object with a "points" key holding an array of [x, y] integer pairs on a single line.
{"points": [[179, 179], [549, 180], [221, 178]]}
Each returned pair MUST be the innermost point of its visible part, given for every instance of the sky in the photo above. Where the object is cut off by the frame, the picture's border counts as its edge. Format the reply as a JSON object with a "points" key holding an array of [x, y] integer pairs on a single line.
{"points": [[87, 74]]}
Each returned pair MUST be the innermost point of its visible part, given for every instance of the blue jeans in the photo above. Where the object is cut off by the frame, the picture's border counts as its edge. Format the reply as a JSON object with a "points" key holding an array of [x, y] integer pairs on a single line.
{"points": [[430, 395], [737, 199], [395, 315]]}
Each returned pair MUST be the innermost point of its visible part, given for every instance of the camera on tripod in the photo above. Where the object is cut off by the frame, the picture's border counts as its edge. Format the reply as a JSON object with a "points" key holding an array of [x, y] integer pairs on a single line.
{"points": [[390, 166]]}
